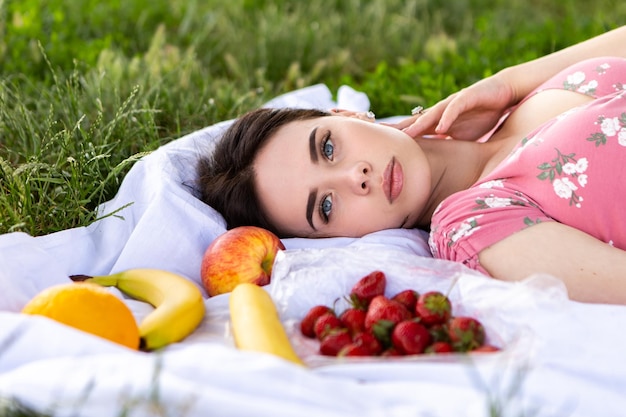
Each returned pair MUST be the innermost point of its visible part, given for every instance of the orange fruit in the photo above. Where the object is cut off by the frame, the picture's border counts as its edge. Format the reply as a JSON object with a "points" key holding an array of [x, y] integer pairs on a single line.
{"points": [[90, 308]]}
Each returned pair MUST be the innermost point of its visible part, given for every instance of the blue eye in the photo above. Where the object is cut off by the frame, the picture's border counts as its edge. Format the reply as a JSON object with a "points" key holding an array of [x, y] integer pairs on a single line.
{"points": [[326, 206], [328, 149]]}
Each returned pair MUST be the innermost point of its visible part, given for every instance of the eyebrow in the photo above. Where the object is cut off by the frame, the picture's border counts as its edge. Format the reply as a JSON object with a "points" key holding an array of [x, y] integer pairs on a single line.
{"points": [[310, 204], [312, 147]]}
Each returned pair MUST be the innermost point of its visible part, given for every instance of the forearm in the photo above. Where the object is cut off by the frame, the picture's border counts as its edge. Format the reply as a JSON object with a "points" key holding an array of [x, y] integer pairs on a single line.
{"points": [[593, 271], [524, 78]]}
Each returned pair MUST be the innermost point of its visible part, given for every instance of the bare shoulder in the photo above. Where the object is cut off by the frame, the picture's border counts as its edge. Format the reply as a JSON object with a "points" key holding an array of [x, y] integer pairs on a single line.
{"points": [[537, 110], [593, 271], [531, 114]]}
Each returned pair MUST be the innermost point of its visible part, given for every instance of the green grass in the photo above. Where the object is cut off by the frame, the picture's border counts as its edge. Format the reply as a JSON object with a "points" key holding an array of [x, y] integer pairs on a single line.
{"points": [[88, 86]]}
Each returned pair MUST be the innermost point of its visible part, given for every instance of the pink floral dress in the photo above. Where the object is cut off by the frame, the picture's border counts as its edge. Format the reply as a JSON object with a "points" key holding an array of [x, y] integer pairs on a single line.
{"points": [[571, 170]]}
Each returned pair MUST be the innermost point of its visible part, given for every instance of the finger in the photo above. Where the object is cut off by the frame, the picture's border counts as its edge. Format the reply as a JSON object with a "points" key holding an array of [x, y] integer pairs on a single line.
{"points": [[420, 128], [342, 112], [425, 122], [430, 119], [402, 124], [454, 108], [365, 116]]}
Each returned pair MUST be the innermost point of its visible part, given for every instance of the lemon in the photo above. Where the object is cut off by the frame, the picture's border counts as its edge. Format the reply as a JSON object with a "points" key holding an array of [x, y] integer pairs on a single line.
{"points": [[90, 308]]}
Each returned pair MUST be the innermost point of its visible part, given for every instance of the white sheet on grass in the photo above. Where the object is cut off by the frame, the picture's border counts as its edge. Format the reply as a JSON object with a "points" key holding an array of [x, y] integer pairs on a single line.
{"points": [[559, 357]]}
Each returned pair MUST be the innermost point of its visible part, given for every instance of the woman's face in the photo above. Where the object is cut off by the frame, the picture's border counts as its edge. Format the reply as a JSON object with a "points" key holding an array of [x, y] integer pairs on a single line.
{"points": [[340, 176]]}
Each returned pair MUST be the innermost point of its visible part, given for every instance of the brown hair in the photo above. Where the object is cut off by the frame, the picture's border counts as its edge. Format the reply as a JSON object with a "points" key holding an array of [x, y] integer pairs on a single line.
{"points": [[226, 176]]}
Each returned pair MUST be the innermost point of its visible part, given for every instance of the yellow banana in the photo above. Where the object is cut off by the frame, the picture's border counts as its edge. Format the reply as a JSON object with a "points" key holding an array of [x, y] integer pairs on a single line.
{"points": [[256, 325], [178, 303]]}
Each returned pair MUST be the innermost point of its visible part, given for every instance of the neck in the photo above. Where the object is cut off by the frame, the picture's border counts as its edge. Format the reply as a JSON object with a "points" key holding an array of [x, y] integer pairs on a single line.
{"points": [[455, 166]]}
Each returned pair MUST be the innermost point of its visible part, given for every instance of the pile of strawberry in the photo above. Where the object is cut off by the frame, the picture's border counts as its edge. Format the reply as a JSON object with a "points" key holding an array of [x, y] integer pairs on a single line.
{"points": [[406, 324]]}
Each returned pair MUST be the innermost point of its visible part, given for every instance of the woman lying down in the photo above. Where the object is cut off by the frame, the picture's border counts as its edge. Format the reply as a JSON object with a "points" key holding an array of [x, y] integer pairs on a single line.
{"points": [[531, 178]]}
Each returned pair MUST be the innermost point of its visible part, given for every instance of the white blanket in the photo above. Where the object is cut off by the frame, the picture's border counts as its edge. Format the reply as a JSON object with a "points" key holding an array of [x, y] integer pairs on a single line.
{"points": [[559, 357]]}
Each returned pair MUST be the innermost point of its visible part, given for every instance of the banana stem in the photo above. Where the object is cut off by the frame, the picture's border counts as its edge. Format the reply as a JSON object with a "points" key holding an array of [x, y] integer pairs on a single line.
{"points": [[105, 281], [80, 278]]}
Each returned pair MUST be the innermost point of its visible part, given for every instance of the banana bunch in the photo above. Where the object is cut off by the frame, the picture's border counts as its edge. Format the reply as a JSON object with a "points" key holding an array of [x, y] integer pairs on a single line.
{"points": [[178, 303]]}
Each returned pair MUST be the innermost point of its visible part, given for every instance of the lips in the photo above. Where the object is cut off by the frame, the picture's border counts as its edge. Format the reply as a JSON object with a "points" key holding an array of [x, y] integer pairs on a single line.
{"points": [[393, 180]]}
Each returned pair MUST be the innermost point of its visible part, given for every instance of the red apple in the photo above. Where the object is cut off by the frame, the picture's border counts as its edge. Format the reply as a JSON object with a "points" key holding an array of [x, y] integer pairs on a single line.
{"points": [[242, 254]]}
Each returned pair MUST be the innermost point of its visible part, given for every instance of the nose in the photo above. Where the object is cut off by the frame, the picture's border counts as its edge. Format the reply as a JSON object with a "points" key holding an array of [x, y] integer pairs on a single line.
{"points": [[359, 178]]}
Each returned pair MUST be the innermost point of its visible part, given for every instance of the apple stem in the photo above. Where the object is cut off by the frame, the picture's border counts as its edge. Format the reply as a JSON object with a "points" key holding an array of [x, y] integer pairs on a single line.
{"points": [[267, 265]]}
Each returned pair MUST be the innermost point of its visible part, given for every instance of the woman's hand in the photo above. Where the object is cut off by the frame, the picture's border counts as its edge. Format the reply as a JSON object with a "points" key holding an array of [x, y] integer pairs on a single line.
{"points": [[367, 116], [465, 115], [475, 110]]}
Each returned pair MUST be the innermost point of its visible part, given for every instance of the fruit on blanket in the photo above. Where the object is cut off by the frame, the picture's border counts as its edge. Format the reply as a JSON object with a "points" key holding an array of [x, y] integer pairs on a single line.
{"points": [[334, 341], [354, 349], [485, 348], [369, 342], [368, 287], [256, 324], [404, 324], [439, 332], [433, 307], [179, 306], [383, 314], [89, 308], [390, 352], [466, 333], [307, 323], [354, 320], [242, 254], [441, 347], [325, 323], [407, 298], [410, 337]]}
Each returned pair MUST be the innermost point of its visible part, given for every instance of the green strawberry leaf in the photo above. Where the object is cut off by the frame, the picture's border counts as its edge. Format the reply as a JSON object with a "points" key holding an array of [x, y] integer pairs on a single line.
{"points": [[382, 331]]}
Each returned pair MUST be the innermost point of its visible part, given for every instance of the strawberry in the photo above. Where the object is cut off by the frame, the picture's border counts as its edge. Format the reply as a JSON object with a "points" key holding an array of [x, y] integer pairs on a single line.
{"points": [[439, 332], [408, 298], [368, 287], [382, 315], [307, 323], [410, 337], [369, 342], [384, 309], [433, 307], [353, 319], [334, 341], [486, 348], [390, 351], [466, 333], [325, 323], [354, 349], [439, 347]]}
